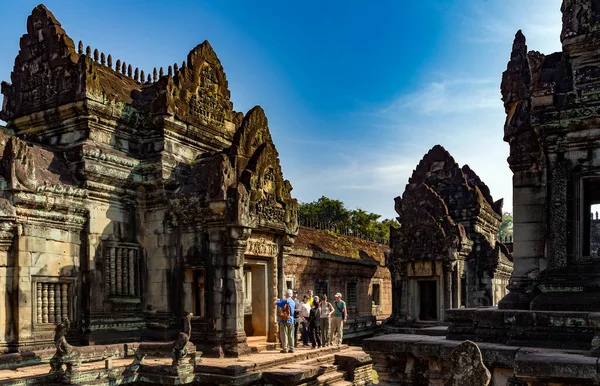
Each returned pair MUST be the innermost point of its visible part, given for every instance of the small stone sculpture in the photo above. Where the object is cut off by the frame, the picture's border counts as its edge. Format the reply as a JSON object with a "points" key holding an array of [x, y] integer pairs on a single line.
{"points": [[468, 367]]}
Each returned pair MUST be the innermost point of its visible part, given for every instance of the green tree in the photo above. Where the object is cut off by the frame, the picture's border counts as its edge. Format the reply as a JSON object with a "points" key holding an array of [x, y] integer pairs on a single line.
{"points": [[333, 214], [506, 227], [324, 211], [384, 227]]}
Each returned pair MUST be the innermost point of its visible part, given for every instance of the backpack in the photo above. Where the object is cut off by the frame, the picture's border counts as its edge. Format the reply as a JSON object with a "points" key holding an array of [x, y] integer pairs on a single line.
{"points": [[284, 314]]}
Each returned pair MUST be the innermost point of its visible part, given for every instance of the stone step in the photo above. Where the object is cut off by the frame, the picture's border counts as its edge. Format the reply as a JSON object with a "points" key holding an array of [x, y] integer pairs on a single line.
{"points": [[321, 360], [258, 348], [331, 377], [262, 360], [342, 383]]}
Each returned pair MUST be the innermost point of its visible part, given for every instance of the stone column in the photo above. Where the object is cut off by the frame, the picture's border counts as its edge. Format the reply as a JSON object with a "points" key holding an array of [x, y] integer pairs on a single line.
{"points": [[234, 337], [447, 289], [529, 209], [455, 288], [215, 290]]}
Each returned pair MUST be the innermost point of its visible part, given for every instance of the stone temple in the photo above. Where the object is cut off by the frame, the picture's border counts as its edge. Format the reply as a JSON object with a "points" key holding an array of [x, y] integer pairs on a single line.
{"points": [[128, 199], [141, 216], [445, 254]]}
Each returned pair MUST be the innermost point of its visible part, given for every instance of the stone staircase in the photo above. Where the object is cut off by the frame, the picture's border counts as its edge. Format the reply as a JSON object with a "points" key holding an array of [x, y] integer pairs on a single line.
{"points": [[259, 344], [337, 366]]}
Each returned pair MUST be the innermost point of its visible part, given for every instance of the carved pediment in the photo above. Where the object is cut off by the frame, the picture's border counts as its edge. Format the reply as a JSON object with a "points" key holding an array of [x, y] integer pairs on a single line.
{"points": [[46, 71], [198, 92], [257, 164], [427, 232]]}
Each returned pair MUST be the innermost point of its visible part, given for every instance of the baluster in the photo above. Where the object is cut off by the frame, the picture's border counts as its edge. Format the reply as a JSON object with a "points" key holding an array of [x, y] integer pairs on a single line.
{"points": [[51, 308], [39, 302], [119, 266], [113, 284], [132, 272], [125, 273], [107, 270], [64, 302], [58, 304], [44, 303]]}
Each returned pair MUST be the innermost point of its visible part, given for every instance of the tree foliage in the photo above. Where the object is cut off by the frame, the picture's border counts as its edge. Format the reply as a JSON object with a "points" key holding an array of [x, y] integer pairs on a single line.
{"points": [[506, 227], [333, 214]]}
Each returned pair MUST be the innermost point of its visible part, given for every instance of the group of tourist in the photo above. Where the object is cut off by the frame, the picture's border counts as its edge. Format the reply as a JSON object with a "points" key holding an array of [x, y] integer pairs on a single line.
{"points": [[318, 321]]}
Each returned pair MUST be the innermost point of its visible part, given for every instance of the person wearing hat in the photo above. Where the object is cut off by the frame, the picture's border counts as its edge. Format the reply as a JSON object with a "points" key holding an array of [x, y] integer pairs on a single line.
{"points": [[286, 322], [339, 317]]}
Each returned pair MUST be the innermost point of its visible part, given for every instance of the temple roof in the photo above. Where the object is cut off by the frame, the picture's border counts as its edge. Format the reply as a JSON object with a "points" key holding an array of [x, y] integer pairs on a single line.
{"points": [[456, 186], [324, 241], [50, 71]]}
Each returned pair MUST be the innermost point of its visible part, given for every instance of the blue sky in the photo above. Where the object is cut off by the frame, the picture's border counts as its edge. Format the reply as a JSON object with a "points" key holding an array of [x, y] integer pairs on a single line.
{"points": [[356, 92]]}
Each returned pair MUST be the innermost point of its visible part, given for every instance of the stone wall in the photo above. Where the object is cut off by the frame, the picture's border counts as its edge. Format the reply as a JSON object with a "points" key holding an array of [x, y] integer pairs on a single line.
{"points": [[319, 256]]}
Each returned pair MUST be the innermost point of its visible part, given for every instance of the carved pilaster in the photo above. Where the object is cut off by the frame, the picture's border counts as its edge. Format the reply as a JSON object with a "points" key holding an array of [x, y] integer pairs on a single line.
{"points": [[112, 275], [131, 272], [234, 337], [557, 253], [448, 268], [119, 272]]}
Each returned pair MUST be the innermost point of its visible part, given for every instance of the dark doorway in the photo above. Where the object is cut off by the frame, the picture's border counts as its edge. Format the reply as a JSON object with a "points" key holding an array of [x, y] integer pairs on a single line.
{"points": [[428, 300]]}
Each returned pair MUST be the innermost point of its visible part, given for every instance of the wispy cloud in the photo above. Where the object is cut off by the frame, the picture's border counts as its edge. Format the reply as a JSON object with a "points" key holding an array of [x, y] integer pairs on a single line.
{"points": [[448, 96], [463, 113], [540, 21]]}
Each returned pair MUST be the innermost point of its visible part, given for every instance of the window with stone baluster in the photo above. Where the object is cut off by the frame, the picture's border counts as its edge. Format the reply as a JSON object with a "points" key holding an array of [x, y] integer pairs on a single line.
{"points": [[352, 295], [52, 300], [121, 269]]}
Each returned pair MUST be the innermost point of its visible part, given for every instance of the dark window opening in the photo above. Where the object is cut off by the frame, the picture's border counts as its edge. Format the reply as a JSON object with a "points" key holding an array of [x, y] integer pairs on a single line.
{"points": [[289, 284], [428, 300], [376, 294], [351, 294], [591, 224]]}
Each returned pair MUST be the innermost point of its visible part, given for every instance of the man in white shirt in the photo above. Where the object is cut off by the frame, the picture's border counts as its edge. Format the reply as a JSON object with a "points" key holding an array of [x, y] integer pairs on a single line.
{"points": [[305, 313]]}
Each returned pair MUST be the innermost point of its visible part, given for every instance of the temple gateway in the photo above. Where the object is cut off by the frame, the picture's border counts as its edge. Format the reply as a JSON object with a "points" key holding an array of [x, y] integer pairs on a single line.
{"points": [[130, 199], [446, 254]]}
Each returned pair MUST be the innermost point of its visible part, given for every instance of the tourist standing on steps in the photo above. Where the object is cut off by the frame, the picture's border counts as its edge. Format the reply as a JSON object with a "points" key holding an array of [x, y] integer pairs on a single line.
{"points": [[297, 318], [305, 315], [326, 309], [286, 322], [340, 314], [314, 324]]}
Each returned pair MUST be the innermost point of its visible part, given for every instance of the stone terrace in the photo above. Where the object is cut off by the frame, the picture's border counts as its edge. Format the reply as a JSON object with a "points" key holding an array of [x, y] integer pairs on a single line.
{"points": [[339, 366]]}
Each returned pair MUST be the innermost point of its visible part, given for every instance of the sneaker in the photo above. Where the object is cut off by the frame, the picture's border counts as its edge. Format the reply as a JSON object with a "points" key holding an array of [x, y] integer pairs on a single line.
{"points": [[291, 351], [283, 351]]}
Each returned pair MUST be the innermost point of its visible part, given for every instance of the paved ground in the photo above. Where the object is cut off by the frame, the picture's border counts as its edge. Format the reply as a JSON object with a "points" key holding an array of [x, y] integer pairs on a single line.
{"points": [[255, 360]]}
